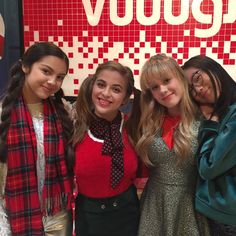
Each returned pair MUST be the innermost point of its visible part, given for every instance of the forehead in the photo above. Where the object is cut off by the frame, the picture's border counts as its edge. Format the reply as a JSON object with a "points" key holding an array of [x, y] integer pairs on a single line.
{"points": [[158, 76], [55, 63], [112, 77], [189, 73]]}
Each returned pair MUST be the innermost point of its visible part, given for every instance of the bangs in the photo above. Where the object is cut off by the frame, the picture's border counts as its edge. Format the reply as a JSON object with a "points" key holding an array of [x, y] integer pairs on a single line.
{"points": [[157, 71]]}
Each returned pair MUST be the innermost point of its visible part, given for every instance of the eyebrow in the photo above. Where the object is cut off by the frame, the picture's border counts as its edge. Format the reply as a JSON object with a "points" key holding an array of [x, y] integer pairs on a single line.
{"points": [[51, 69], [113, 85]]}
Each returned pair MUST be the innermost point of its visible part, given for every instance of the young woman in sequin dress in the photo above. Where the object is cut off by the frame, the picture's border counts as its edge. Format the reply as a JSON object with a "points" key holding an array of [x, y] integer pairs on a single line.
{"points": [[167, 144]]}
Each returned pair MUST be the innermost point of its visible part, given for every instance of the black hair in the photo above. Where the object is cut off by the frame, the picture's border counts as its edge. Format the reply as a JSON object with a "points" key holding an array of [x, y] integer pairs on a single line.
{"points": [[217, 74]]}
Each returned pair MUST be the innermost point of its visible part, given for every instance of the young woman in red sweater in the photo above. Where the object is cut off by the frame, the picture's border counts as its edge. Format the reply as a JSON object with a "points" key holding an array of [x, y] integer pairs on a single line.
{"points": [[106, 162]]}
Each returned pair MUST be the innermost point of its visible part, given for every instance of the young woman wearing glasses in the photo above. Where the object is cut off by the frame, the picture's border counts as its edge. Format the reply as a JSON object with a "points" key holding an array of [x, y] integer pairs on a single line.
{"points": [[214, 91]]}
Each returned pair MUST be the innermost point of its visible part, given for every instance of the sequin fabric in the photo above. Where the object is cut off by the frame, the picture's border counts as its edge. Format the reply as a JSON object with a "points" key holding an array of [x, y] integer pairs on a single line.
{"points": [[5, 229], [167, 202], [4, 224], [36, 111]]}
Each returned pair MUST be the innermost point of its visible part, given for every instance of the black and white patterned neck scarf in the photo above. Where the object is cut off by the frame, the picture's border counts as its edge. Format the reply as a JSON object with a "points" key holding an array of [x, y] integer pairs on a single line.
{"points": [[113, 145]]}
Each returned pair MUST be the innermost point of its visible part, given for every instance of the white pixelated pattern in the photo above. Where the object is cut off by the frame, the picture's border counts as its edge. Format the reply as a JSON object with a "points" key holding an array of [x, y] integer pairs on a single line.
{"points": [[91, 32]]}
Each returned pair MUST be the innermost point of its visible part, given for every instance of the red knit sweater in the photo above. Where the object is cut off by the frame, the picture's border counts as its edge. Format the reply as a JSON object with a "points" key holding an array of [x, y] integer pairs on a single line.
{"points": [[92, 169]]}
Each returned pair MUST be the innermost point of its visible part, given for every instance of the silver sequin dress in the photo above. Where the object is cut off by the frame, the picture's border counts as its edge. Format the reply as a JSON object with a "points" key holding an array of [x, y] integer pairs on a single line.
{"points": [[167, 202]]}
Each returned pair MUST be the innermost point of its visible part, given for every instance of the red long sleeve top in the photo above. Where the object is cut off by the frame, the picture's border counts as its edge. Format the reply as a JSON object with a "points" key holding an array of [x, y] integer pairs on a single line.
{"points": [[92, 169]]}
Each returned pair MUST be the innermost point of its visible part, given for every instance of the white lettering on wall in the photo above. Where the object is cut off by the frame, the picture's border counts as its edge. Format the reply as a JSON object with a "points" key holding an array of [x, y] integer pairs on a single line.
{"points": [[230, 17], [127, 18], [93, 17], [214, 20], [151, 20], [176, 20]]}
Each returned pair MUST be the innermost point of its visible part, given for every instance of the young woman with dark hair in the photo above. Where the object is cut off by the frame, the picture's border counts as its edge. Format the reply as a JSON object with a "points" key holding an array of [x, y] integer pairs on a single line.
{"points": [[35, 155], [214, 91]]}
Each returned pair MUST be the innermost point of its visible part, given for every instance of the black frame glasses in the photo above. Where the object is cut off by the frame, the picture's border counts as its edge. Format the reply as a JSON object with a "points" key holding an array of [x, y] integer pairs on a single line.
{"points": [[197, 81]]}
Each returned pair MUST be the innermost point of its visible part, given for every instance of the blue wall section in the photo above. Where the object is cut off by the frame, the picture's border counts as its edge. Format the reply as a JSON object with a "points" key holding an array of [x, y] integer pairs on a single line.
{"points": [[11, 11]]}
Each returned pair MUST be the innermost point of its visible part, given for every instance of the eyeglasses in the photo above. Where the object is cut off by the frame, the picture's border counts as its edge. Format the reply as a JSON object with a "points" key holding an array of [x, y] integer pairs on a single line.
{"points": [[197, 80]]}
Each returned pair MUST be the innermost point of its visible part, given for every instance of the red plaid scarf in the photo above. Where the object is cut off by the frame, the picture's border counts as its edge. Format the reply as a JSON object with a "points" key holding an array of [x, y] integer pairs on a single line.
{"points": [[22, 202]]}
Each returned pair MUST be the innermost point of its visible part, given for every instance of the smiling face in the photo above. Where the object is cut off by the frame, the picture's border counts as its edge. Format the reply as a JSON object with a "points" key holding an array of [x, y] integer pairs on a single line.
{"points": [[108, 94], [203, 91], [43, 79], [168, 92]]}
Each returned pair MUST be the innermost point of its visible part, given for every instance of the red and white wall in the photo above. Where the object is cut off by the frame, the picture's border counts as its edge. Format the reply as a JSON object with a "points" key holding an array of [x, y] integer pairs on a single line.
{"points": [[130, 31]]}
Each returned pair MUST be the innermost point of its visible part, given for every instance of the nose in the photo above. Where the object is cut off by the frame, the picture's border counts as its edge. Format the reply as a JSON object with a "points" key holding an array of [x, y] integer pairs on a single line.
{"points": [[106, 92], [163, 89], [52, 81], [198, 88]]}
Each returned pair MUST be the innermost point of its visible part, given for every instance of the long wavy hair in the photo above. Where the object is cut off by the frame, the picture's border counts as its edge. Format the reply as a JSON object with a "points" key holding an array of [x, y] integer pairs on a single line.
{"points": [[85, 107], [34, 53], [153, 113]]}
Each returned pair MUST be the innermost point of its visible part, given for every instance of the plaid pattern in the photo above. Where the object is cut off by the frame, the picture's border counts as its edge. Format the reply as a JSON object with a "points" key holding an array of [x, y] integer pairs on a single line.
{"points": [[22, 201]]}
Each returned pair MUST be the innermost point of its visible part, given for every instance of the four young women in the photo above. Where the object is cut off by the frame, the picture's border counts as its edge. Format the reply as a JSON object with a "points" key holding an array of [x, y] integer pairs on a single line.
{"points": [[36, 154]]}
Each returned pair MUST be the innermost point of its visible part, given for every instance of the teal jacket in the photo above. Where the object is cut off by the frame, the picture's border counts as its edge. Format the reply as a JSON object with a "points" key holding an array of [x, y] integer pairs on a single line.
{"points": [[216, 188]]}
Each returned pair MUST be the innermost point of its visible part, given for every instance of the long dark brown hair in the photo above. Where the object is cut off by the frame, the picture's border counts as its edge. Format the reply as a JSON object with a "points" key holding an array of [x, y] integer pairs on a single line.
{"points": [[35, 53]]}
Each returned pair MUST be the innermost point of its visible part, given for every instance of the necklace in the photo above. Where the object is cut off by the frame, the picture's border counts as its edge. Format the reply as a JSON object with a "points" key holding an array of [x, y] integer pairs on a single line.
{"points": [[36, 109]]}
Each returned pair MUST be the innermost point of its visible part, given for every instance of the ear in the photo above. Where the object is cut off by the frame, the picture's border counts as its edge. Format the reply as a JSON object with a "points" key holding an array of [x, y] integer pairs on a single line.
{"points": [[25, 69]]}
